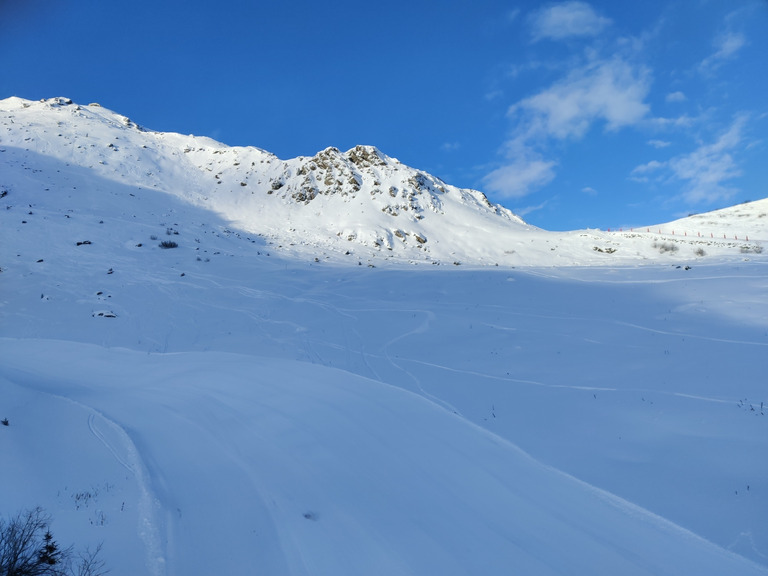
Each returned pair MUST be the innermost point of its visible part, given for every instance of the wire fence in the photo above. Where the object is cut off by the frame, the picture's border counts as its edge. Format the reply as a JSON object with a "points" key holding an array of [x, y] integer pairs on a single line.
{"points": [[659, 231]]}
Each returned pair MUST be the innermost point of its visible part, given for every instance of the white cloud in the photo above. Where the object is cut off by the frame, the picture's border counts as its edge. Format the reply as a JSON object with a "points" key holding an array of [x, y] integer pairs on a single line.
{"points": [[659, 143], [710, 166], [450, 146], [566, 20], [726, 47], [651, 166], [683, 121], [493, 94], [641, 173], [520, 177], [610, 90], [706, 171], [676, 97], [523, 212], [589, 190], [729, 44]]}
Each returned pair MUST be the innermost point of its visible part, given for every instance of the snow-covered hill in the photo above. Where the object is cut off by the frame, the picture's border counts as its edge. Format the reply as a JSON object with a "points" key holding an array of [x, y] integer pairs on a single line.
{"points": [[359, 206], [741, 222], [220, 406]]}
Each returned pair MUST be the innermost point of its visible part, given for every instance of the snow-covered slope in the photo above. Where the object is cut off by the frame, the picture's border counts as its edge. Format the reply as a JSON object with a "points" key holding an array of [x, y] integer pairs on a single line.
{"points": [[359, 206], [226, 471], [221, 407], [334, 202], [741, 222]]}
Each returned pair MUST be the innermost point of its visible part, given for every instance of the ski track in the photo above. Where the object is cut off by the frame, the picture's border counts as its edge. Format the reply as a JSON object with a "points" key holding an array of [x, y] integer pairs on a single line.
{"points": [[571, 273], [421, 329], [100, 436], [425, 326], [119, 444], [149, 527], [564, 386], [748, 536], [688, 335]]}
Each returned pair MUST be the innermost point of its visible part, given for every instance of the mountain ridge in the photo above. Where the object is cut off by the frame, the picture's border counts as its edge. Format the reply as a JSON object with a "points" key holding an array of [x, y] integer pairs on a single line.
{"points": [[355, 206]]}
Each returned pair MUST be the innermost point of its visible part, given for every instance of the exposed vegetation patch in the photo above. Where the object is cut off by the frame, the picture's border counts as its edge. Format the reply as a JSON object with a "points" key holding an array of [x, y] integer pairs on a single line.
{"points": [[664, 247]]}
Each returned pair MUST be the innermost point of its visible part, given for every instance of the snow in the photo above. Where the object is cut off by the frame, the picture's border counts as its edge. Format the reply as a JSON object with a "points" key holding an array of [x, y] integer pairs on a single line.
{"points": [[230, 406], [358, 206]]}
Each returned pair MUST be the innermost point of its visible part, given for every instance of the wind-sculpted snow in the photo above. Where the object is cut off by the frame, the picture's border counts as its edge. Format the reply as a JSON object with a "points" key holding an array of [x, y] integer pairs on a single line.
{"points": [[204, 398]]}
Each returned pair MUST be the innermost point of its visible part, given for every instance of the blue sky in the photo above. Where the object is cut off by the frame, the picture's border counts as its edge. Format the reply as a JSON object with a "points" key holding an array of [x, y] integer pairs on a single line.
{"points": [[572, 114]]}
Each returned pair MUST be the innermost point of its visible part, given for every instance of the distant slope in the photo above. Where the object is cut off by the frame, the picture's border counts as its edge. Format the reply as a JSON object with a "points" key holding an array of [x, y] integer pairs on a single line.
{"points": [[357, 207], [746, 221]]}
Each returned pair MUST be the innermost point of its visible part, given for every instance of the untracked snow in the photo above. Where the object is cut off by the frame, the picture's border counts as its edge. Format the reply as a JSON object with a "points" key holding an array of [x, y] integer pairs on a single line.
{"points": [[255, 400]]}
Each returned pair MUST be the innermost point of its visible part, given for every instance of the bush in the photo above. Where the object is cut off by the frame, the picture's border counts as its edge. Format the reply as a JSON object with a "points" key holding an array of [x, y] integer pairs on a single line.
{"points": [[665, 247], [27, 548], [168, 244], [756, 248]]}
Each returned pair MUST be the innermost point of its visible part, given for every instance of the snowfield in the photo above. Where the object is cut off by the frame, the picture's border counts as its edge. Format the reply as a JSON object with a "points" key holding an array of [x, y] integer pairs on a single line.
{"points": [[256, 400]]}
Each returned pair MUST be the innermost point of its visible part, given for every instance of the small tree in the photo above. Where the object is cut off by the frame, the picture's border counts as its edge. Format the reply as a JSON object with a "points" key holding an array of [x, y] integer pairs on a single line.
{"points": [[49, 554]]}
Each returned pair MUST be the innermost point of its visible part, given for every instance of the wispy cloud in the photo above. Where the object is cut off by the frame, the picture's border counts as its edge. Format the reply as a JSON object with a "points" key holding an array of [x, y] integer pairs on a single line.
{"points": [[521, 176], [706, 171], [608, 91], [513, 14], [523, 212], [566, 20], [682, 122], [604, 84], [709, 167], [449, 146], [642, 173], [727, 45], [493, 95], [676, 97]]}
